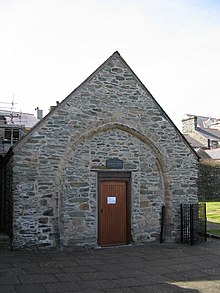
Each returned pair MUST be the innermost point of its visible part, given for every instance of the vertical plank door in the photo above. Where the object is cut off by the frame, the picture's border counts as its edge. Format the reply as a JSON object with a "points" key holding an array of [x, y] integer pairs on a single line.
{"points": [[112, 213]]}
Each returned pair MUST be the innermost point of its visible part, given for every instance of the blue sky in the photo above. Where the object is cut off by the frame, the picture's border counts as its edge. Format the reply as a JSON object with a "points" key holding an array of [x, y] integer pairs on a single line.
{"points": [[48, 47]]}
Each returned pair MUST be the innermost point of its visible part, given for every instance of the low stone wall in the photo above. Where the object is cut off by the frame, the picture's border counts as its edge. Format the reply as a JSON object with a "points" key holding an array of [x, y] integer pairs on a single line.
{"points": [[209, 181]]}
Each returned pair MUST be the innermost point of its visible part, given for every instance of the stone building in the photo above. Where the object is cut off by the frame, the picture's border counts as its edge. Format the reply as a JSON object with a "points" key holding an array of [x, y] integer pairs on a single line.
{"points": [[98, 168], [201, 132]]}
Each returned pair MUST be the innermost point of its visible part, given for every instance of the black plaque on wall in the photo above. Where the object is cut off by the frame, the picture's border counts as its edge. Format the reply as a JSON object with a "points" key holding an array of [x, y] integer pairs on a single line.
{"points": [[114, 164]]}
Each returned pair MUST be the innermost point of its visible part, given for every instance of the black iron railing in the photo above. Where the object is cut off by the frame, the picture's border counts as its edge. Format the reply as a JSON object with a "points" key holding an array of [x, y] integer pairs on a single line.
{"points": [[193, 223]]}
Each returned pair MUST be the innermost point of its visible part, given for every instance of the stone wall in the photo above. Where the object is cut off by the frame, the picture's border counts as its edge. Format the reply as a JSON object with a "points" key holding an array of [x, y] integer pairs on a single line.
{"points": [[209, 181], [56, 165], [79, 187]]}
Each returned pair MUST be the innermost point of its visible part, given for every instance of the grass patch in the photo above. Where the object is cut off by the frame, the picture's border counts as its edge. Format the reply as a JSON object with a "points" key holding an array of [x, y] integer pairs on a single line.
{"points": [[214, 232], [213, 217], [213, 211]]}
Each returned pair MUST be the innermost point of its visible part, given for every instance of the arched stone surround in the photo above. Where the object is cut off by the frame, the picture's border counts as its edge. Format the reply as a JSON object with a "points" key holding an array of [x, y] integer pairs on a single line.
{"points": [[141, 203]]}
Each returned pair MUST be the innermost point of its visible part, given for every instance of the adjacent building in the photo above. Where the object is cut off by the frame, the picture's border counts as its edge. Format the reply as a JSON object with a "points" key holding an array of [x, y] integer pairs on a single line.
{"points": [[203, 134], [13, 125]]}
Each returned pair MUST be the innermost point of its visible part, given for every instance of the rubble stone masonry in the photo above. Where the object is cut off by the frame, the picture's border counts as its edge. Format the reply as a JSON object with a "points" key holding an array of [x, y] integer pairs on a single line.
{"points": [[56, 166]]}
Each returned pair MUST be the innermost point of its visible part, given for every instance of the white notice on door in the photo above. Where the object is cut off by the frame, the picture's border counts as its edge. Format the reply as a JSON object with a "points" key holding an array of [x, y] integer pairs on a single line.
{"points": [[111, 200]]}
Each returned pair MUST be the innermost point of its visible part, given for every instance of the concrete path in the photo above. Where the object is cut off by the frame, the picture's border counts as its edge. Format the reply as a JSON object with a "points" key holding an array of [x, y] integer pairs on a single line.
{"points": [[146, 268]]}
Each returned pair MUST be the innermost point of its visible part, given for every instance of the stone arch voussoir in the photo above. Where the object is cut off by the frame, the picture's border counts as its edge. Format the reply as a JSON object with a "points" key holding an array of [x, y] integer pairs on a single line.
{"points": [[161, 162]]}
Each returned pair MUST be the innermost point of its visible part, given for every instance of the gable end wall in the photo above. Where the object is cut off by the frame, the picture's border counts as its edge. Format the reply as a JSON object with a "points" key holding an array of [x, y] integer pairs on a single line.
{"points": [[110, 115]]}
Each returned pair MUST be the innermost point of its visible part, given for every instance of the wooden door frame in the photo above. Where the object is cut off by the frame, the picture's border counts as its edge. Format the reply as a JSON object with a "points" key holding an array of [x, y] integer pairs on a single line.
{"points": [[117, 176]]}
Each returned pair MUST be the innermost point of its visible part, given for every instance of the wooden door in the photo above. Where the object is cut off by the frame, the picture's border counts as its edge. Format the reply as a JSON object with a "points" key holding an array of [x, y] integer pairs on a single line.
{"points": [[112, 213]]}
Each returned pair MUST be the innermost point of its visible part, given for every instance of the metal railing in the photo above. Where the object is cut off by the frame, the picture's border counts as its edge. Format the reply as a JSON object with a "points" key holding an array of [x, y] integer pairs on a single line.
{"points": [[193, 223]]}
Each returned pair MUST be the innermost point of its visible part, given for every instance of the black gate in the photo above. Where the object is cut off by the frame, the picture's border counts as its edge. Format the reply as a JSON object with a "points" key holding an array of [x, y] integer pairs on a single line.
{"points": [[193, 223], [202, 222]]}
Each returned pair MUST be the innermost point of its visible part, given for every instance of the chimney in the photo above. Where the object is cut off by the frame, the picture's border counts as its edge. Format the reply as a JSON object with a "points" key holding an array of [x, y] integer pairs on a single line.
{"points": [[39, 113], [189, 124]]}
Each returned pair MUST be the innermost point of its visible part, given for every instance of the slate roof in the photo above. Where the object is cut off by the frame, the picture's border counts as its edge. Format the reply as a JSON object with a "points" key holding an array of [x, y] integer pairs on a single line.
{"points": [[193, 142], [26, 119], [214, 153], [209, 154], [204, 126], [203, 154], [210, 133], [203, 121]]}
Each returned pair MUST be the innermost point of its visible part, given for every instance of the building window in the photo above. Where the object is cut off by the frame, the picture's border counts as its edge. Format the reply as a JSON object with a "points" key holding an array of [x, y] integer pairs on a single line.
{"points": [[11, 134]]}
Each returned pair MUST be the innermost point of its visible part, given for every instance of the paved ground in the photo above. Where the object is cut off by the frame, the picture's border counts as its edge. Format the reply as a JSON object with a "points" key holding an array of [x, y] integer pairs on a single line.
{"points": [[148, 268]]}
